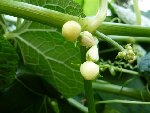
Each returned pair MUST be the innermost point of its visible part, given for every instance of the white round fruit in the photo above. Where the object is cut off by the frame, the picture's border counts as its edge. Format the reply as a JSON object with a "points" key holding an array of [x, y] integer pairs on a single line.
{"points": [[71, 31], [89, 70]]}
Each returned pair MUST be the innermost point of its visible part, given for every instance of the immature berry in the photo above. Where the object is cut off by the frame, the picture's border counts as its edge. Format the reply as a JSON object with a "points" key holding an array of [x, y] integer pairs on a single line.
{"points": [[71, 31], [87, 39], [92, 54], [89, 70]]}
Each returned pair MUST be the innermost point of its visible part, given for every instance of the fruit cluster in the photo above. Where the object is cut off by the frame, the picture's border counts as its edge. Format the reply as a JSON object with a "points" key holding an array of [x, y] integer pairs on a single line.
{"points": [[71, 30]]}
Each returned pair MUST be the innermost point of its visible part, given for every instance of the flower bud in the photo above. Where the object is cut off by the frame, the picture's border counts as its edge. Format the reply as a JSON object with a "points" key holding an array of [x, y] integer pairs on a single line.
{"points": [[130, 52], [71, 31], [121, 54], [112, 71], [128, 47], [87, 39], [92, 54], [89, 70]]}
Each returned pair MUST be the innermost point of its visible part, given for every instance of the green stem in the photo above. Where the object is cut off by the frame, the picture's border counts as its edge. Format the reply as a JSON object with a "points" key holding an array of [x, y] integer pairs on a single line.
{"points": [[88, 86], [89, 95], [137, 12], [122, 101], [18, 23], [109, 28], [119, 90], [36, 13], [57, 19], [130, 38], [78, 105], [127, 71], [120, 69], [109, 40]]}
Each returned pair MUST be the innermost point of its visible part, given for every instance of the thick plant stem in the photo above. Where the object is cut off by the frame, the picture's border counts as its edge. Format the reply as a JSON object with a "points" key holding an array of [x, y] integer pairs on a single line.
{"points": [[109, 40], [89, 95], [119, 90], [88, 86], [57, 19], [36, 13], [137, 12], [78, 105], [124, 29]]}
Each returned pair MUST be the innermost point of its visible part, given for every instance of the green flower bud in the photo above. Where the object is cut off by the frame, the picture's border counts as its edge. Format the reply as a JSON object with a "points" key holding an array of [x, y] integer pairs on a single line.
{"points": [[71, 31], [112, 71], [87, 39], [128, 47], [92, 54], [130, 52], [121, 54], [127, 54], [131, 61], [89, 70]]}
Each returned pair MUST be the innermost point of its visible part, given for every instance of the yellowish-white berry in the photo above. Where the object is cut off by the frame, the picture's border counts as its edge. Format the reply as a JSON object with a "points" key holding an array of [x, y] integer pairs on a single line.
{"points": [[89, 70], [87, 39], [71, 31], [92, 54]]}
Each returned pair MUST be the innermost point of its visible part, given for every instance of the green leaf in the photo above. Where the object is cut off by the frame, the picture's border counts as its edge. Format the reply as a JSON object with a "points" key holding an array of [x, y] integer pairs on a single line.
{"points": [[144, 64], [128, 16], [8, 63], [91, 7], [79, 2], [45, 51]]}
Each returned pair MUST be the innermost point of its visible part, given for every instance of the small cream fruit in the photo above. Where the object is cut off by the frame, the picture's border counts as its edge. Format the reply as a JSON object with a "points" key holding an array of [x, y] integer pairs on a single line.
{"points": [[87, 39], [92, 54], [89, 70], [71, 31]]}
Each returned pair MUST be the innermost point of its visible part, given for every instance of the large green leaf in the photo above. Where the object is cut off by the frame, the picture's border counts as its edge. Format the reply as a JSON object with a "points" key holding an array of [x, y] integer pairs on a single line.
{"points": [[45, 51], [8, 63]]}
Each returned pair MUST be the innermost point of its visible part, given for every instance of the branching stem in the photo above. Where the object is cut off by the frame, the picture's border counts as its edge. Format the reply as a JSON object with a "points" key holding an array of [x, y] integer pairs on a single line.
{"points": [[109, 40]]}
